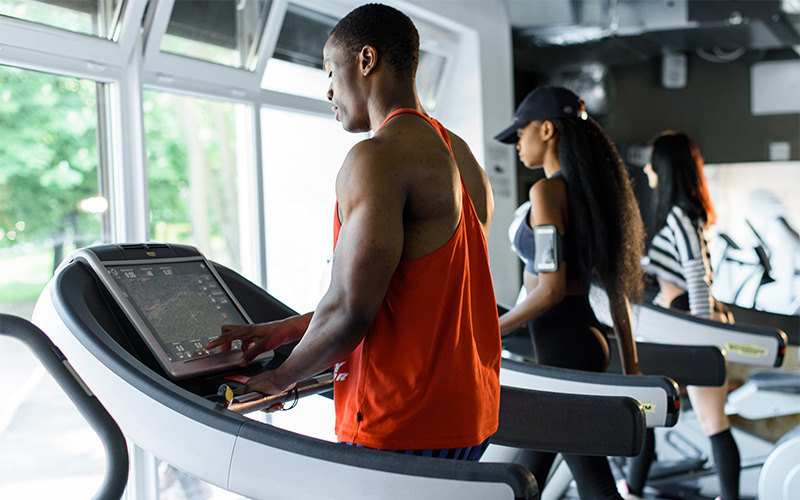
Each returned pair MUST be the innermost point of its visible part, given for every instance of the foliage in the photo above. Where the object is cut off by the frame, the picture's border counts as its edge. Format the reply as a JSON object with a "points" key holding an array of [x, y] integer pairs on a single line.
{"points": [[192, 171], [48, 155], [166, 161], [49, 163]]}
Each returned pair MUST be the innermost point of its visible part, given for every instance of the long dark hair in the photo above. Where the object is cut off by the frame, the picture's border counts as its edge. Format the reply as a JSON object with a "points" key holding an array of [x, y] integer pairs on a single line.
{"points": [[676, 159], [604, 217]]}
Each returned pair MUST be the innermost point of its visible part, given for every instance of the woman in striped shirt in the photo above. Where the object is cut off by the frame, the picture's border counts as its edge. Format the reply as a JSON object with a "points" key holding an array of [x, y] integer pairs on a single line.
{"points": [[678, 257]]}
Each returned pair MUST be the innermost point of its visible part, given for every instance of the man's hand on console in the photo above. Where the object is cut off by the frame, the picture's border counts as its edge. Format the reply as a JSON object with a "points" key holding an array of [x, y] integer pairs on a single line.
{"points": [[256, 339]]}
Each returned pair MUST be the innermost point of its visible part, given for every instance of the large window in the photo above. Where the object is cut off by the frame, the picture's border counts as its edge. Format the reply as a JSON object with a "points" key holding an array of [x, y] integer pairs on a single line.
{"points": [[49, 205], [49, 197], [192, 172], [302, 154]]}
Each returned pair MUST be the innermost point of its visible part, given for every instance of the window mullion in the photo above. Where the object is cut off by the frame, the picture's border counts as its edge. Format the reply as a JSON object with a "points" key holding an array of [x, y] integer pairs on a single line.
{"points": [[251, 180], [129, 175]]}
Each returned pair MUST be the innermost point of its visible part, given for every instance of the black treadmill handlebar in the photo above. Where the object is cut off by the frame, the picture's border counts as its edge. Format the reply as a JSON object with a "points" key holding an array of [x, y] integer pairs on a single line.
{"points": [[600, 425], [116, 473], [750, 344]]}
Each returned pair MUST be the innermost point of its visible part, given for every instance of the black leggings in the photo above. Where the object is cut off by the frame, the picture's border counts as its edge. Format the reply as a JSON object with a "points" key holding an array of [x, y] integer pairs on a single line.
{"points": [[568, 336]]}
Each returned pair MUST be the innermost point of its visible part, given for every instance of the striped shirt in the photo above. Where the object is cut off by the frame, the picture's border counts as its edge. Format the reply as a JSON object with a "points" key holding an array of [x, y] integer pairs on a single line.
{"points": [[679, 254]]}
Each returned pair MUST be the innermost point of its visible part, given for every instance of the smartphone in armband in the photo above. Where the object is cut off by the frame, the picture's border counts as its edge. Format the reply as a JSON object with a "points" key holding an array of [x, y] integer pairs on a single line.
{"points": [[549, 252]]}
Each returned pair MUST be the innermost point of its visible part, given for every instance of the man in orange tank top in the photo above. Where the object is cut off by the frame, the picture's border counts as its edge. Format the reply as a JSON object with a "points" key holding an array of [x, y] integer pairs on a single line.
{"points": [[409, 321]]}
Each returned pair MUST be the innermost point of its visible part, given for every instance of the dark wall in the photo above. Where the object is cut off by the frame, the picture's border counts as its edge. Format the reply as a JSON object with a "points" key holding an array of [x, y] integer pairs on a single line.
{"points": [[713, 109]]}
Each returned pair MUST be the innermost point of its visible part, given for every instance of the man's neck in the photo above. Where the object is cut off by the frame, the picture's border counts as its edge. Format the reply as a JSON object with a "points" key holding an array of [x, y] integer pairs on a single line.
{"points": [[393, 99]]}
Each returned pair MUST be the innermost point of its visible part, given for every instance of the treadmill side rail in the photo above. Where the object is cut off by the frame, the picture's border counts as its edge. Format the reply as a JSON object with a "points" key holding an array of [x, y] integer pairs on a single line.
{"points": [[658, 395], [744, 344]]}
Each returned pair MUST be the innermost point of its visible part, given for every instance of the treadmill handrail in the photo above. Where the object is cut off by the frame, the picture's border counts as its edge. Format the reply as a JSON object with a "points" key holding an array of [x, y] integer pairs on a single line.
{"points": [[787, 323], [598, 425], [745, 344], [686, 364], [658, 394], [703, 365], [116, 472]]}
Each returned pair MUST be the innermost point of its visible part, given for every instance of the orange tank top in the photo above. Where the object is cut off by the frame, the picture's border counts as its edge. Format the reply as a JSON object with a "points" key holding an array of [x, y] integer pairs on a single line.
{"points": [[426, 375]]}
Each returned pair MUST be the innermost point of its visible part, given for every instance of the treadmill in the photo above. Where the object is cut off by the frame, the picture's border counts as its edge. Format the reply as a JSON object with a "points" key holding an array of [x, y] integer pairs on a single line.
{"points": [[163, 395]]}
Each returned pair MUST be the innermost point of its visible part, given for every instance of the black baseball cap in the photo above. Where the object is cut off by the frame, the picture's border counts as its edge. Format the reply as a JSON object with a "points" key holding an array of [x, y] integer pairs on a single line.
{"points": [[543, 103]]}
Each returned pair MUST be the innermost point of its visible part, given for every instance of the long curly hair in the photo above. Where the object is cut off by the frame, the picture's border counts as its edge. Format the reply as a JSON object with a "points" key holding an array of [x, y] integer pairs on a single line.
{"points": [[604, 217]]}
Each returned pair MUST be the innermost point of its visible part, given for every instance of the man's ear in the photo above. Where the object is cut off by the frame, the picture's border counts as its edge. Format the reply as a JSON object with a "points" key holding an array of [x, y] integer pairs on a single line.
{"points": [[367, 59]]}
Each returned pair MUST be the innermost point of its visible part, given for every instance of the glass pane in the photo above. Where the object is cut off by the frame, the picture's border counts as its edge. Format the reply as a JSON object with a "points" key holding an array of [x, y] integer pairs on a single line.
{"points": [[49, 202], [296, 66], [430, 71], [48, 206], [296, 79], [224, 31], [98, 18], [299, 194], [303, 35], [192, 170]]}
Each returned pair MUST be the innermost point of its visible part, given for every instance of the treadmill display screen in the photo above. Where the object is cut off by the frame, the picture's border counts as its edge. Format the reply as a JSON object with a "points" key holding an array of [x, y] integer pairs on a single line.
{"points": [[182, 303]]}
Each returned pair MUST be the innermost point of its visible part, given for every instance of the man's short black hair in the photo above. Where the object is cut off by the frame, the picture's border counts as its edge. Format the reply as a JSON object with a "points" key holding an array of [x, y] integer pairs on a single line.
{"points": [[386, 29]]}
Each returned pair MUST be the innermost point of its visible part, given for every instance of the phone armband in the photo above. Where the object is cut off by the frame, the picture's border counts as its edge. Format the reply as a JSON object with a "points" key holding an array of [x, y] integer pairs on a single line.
{"points": [[549, 251]]}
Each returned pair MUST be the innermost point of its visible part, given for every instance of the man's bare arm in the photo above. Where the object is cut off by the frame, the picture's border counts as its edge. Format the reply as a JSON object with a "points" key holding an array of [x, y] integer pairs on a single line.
{"points": [[476, 181], [371, 200], [262, 337]]}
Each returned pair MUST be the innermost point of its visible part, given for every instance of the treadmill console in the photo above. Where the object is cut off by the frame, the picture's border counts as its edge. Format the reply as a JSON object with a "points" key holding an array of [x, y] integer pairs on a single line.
{"points": [[175, 301]]}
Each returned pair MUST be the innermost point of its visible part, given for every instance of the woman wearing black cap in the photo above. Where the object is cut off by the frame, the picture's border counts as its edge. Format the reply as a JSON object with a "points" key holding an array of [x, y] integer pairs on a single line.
{"points": [[678, 257], [582, 228]]}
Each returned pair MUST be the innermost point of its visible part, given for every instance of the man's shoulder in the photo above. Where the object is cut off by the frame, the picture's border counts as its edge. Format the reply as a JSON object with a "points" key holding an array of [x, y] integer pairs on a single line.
{"points": [[370, 153], [369, 164], [394, 148]]}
